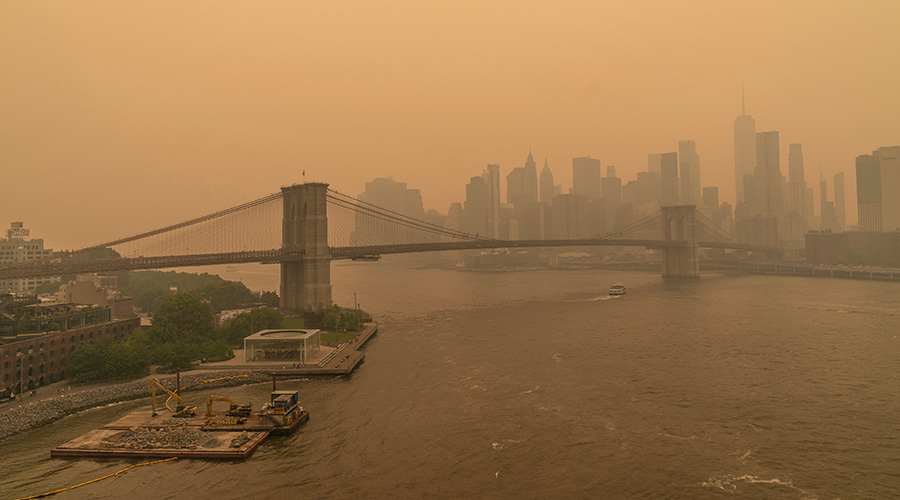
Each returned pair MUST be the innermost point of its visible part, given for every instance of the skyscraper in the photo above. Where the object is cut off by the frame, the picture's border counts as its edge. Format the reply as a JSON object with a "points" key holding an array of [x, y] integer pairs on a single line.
{"points": [[826, 208], [878, 189], [392, 195], [889, 159], [690, 173], [476, 208], [669, 180], [611, 188], [546, 184], [744, 152], [840, 210], [768, 192], [586, 174], [530, 179], [491, 177], [868, 192], [796, 181]]}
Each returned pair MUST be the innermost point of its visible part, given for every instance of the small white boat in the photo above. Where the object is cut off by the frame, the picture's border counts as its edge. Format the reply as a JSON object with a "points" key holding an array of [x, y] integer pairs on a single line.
{"points": [[617, 289]]}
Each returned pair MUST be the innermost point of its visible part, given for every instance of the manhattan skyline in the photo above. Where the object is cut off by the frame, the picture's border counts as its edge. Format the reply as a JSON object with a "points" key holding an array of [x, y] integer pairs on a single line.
{"points": [[102, 111]]}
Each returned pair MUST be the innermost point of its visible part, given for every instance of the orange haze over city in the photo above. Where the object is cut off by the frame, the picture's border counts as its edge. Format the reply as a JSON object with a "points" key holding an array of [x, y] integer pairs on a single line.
{"points": [[118, 117]]}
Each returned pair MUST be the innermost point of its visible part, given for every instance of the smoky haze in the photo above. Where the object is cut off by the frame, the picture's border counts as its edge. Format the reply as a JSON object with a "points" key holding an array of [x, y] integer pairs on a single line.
{"points": [[116, 117]]}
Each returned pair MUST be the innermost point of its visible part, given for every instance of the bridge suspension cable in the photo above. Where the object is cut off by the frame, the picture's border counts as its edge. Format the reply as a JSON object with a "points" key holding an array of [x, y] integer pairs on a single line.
{"points": [[362, 207]]}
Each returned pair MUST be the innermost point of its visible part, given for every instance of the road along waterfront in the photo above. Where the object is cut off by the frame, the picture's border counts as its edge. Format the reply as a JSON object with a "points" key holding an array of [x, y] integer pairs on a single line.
{"points": [[538, 384]]}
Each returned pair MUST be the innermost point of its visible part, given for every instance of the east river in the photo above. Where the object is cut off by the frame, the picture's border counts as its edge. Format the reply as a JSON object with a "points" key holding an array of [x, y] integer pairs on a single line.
{"points": [[538, 385]]}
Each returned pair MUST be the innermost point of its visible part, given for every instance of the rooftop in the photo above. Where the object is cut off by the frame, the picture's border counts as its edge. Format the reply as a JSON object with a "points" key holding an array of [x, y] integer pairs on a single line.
{"points": [[282, 335]]}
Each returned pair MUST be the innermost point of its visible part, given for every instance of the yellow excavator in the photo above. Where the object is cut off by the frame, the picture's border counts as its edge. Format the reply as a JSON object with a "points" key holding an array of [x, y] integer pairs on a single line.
{"points": [[235, 410], [181, 410]]}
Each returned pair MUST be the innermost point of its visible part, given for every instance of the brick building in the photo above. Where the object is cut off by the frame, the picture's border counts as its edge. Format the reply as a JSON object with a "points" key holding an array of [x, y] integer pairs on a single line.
{"points": [[30, 360]]}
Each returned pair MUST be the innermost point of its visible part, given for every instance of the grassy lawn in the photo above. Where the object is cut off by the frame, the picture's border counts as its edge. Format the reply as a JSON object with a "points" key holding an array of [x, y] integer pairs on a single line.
{"points": [[292, 323], [336, 336]]}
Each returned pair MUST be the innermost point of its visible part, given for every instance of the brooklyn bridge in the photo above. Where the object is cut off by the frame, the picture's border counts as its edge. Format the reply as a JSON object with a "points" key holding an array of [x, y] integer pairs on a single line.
{"points": [[306, 226]]}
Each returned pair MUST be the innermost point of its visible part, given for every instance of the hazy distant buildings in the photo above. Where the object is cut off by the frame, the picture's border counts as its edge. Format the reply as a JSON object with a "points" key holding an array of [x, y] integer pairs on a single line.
{"points": [[711, 197], [689, 174], [476, 208], [586, 175], [491, 177], [796, 187], [395, 196], [571, 217], [878, 189], [768, 197], [669, 179], [828, 221], [840, 209]]}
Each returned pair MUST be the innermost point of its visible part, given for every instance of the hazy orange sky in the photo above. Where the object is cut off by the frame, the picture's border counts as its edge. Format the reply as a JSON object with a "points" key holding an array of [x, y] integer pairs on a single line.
{"points": [[116, 117]]}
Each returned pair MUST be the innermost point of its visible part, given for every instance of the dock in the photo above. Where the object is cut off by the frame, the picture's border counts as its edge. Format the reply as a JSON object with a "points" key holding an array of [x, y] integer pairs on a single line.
{"points": [[139, 434]]}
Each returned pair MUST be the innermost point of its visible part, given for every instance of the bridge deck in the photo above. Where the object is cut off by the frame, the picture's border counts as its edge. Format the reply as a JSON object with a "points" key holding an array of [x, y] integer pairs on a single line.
{"points": [[67, 266]]}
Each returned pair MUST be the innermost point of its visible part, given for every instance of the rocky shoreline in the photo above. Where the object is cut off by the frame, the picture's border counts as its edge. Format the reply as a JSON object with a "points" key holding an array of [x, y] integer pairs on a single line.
{"points": [[39, 413]]}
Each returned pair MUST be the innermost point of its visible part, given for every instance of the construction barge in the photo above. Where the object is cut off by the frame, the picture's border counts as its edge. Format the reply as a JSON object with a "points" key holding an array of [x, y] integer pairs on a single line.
{"points": [[182, 432]]}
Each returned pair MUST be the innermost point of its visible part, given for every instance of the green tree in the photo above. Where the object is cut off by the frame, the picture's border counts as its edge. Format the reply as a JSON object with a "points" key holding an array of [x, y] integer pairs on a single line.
{"points": [[270, 299], [226, 295], [182, 318]]}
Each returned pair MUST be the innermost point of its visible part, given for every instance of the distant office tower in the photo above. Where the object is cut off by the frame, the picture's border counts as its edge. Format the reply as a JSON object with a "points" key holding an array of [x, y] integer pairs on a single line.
{"points": [[654, 162], [611, 188], [796, 202], [515, 186], [648, 191], [669, 180], [476, 208], [454, 216], [868, 192], [878, 189], [711, 197], [744, 152], [840, 210], [610, 170], [586, 174], [491, 177], [546, 188], [828, 221], [889, 159], [387, 193], [689, 174], [531, 179], [768, 193], [571, 217]]}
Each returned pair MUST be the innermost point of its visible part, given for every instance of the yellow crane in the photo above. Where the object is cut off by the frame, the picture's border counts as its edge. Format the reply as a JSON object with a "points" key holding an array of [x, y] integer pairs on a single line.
{"points": [[181, 410], [234, 410]]}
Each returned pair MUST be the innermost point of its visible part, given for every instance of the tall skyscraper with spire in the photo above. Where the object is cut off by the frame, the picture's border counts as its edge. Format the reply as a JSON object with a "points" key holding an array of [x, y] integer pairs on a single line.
{"points": [[546, 184], [744, 150], [531, 179]]}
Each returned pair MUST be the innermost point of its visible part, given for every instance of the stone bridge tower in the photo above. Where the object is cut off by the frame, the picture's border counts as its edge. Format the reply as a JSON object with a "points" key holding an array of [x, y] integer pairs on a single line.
{"points": [[305, 283], [678, 225]]}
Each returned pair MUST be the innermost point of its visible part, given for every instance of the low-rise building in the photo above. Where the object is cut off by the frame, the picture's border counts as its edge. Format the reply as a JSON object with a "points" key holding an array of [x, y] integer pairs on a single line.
{"points": [[37, 340], [282, 345], [15, 248]]}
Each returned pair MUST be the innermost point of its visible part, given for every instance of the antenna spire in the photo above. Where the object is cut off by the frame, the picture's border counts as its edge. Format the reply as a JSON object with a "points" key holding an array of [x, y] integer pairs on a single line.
{"points": [[743, 106]]}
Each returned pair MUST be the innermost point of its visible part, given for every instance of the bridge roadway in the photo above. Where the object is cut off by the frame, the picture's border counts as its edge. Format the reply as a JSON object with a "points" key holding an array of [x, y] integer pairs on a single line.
{"points": [[62, 266]]}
